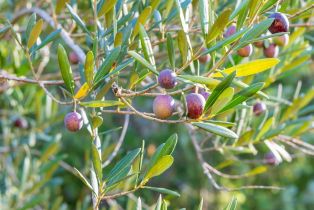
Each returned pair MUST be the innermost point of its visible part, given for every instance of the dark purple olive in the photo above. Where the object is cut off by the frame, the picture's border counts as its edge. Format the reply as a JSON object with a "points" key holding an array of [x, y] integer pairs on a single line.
{"points": [[271, 159], [73, 58], [259, 44], [195, 105], [230, 31], [73, 121], [281, 40], [20, 123], [280, 24], [163, 106], [204, 58], [271, 51], [259, 108], [167, 79], [245, 51]]}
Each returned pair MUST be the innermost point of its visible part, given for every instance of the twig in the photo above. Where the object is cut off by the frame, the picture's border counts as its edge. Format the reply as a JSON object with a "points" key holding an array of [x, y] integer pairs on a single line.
{"points": [[120, 141], [302, 11]]}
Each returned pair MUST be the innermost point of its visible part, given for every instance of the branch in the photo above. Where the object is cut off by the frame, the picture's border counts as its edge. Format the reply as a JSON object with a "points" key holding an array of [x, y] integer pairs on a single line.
{"points": [[120, 141], [46, 17], [302, 11]]}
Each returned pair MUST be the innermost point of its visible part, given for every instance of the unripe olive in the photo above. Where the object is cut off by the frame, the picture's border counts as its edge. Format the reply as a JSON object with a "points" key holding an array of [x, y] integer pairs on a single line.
{"points": [[245, 51], [271, 51], [271, 159], [259, 44], [259, 108], [73, 58], [73, 121], [230, 31], [204, 58], [280, 24], [163, 106], [195, 104], [281, 40], [167, 79], [20, 123]]}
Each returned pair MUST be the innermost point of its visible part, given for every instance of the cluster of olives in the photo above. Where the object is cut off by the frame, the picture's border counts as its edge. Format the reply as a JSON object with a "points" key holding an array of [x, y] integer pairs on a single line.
{"points": [[270, 50], [164, 105]]}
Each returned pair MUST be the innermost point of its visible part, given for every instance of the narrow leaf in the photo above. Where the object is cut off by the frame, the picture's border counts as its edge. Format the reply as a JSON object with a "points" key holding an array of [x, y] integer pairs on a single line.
{"points": [[34, 34], [216, 129], [97, 163], [219, 25], [89, 68], [162, 190], [105, 103], [143, 61], [161, 166], [65, 68]]}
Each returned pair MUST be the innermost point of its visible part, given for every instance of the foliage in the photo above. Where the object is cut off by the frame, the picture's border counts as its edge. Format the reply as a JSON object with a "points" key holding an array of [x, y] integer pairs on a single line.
{"points": [[102, 59]]}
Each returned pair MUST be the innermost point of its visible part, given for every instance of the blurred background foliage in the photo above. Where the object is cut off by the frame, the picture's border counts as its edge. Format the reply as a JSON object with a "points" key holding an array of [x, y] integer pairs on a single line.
{"points": [[22, 163]]}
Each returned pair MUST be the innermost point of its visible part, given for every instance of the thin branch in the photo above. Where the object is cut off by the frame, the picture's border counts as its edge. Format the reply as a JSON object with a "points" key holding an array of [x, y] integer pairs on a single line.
{"points": [[6, 75], [120, 141], [302, 11]]}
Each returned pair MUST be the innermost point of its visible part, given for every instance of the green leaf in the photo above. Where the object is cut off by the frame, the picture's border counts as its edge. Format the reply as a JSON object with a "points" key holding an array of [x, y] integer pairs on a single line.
{"points": [[101, 103], [162, 190], [256, 171], [35, 32], [158, 204], [83, 179], [51, 149], [83, 91], [171, 51], [208, 81], [123, 163], [146, 46], [161, 166], [223, 99], [183, 45], [170, 144], [143, 61], [97, 121], [250, 68], [105, 6], [257, 30], [154, 4], [30, 25], [182, 18], [65, 68], [78, 20], [225, 42], [218, 26], [232, 204], [267, 125], [204, 15], [97, 163], [243, 14], [141, 20], [200, 205], [243, 95], [139, 204], [34, 201], [48, 39], [216, 129], [89, 68], [224, 84], [221, 123], [107, 65]]}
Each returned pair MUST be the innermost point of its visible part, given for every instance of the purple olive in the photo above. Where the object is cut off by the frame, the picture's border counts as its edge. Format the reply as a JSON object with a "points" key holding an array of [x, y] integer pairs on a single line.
{"points": [[20, 123], [73, 121], [204, 58], [245, 51], [203, 92], [280, 24], [195, 105], [230, 31], [73, 58], [271, 51], [167, 79], [281, 40], [163, 106], [271, 159], [259, 108]]}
